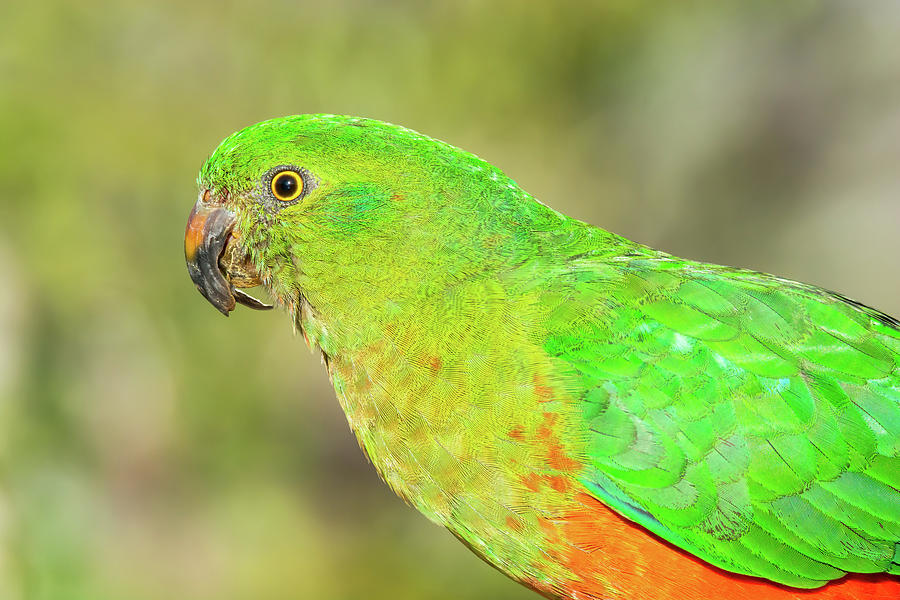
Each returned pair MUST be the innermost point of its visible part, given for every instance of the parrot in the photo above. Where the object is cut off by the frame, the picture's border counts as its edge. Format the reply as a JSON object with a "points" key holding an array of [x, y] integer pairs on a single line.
{"points": [[594, 418]]}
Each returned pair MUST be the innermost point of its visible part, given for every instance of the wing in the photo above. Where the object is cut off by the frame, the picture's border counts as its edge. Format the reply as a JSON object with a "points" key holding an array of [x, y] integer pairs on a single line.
{"points": [[750, 420]]}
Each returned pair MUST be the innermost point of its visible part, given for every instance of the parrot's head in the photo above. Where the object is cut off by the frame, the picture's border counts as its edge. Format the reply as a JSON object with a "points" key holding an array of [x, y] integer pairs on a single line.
{"points": [[347, 212]]}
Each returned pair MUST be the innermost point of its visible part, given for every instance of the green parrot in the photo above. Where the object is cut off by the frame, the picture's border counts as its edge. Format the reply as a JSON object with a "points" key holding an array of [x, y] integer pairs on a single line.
{"points": [[594, 418]]}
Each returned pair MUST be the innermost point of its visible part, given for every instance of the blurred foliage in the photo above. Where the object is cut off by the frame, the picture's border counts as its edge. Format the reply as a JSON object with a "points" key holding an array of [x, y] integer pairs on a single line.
{"points": [[150, 449]]}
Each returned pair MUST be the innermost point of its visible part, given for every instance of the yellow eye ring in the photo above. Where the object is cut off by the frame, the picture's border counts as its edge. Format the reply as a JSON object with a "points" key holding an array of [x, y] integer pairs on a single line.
{"points": [[287, 185]]}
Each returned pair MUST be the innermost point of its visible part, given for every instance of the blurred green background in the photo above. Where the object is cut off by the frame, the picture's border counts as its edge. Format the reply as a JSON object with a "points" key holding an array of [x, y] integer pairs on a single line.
{"points": [[152, 449]]}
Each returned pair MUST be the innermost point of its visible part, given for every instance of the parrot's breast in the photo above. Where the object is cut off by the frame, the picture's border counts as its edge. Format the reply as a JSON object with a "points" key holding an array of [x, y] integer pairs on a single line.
{"points": [[464, 418]]}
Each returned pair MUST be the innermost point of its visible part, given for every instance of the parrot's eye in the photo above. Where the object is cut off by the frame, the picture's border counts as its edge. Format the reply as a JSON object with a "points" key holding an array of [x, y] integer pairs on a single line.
{"points": [[287, 185]]}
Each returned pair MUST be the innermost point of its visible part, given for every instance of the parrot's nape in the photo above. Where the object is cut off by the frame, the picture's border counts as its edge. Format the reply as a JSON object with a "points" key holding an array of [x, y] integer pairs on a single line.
{"points": [[594, 418]]}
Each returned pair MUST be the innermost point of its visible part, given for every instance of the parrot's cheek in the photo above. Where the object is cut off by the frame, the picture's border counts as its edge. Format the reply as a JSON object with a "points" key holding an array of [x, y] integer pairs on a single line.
{"points": [[214, 259]]}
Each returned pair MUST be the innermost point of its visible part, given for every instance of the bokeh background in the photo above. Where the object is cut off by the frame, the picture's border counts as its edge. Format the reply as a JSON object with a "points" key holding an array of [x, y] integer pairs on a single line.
{"points": [[151, 449]]}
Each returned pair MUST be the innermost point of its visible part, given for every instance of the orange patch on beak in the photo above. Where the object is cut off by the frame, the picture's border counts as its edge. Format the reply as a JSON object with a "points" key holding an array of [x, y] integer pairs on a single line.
{"points": [[193, 233]]}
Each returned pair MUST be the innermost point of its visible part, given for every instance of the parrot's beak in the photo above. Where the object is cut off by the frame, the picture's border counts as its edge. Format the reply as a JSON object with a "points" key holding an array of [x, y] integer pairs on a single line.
{"points": [[214, 261]]}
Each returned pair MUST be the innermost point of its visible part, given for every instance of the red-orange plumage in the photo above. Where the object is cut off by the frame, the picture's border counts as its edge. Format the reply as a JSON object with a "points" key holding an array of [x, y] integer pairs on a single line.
{"points": [[612, 556]]}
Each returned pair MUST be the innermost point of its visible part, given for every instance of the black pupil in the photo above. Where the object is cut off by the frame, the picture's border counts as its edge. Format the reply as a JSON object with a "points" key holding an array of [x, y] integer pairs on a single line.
{"points": [[286, 185]]}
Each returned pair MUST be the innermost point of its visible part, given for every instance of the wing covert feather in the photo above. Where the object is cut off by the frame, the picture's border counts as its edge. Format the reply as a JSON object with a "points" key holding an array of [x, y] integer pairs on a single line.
{"points": [[751, 420]]}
